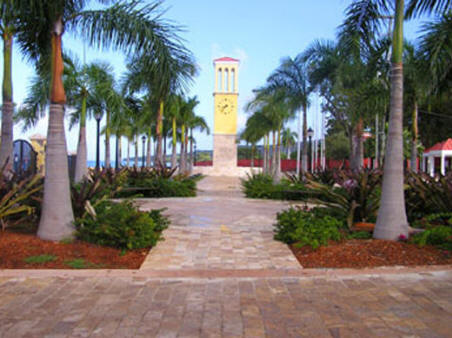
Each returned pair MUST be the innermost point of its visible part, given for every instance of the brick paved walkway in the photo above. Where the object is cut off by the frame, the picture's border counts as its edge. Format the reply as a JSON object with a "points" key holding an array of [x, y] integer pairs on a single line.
{"points": [[219, 230], [255, 288], [407, 305]]}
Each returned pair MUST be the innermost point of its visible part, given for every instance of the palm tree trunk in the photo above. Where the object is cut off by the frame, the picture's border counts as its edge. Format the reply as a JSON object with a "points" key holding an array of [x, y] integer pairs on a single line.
{"points": [[81, 167], [304, 155], [107, 141], [128, 152], [182, 167], [119, 151], [186, 152], [357, 153], [6, 144], [148, 150], [252, 156], [159, 134], [116, 151], [57, 217], [288, 151], [164, 151], [265, 164], [414, 140], [278, 157], [273, 163], [174, 141], [191, 149], [392, 221], [136, 152]]}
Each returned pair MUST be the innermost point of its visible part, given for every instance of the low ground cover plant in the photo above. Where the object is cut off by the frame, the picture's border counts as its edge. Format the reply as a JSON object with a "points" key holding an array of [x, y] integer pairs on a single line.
{"points": [[41, 259], [259, 185], [121, 225], [304, 227]]}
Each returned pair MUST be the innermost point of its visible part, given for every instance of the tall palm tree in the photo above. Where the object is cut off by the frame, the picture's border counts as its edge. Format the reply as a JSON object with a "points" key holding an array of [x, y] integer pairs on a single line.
{"points": [[170, 73], [125, 25], [392, 220], [416, 83], [292, 75], [16, 27], [7, 28], [88, 92], [173, 113], [288, 140], [272, 100], [196, 122], [187, 114], [256, 129]]}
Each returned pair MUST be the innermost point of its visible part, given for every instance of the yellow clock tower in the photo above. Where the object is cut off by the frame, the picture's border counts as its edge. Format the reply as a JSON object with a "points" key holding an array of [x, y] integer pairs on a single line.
{"points": [[225, 113]]}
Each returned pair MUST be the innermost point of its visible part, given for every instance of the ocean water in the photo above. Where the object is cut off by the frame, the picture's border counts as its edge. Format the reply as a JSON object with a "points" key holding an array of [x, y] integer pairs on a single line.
{"points": [[92, 164]]}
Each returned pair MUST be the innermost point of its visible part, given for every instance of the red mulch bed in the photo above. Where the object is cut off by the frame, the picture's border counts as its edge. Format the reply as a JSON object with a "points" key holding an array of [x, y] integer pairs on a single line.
{"points": [[370, 253], [16, 247]]}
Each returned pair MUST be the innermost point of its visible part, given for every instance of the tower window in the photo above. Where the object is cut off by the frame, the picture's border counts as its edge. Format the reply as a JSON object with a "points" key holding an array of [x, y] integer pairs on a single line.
{"points": [[226, 79], [220, 80], [233, 80]]}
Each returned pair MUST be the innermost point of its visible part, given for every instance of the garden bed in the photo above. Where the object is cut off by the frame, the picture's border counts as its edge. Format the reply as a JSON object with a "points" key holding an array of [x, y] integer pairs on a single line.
{"points": [[370, 253], [24, 251]]}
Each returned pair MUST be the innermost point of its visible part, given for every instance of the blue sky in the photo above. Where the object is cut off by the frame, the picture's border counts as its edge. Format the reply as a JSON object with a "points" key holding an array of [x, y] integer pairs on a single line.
{"points": [[257, 32]]}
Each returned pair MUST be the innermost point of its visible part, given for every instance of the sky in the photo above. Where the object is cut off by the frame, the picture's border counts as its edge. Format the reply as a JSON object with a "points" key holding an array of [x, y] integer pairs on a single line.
{"points": [[258, 33]]}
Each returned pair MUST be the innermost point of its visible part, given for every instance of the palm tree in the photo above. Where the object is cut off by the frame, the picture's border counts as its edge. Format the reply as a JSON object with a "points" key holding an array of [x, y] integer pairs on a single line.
{"points": [[173, 113], [288, 140], [90, 89], [161, 77], [392, 220], [123, 25], [273, 101], [7, 26], [416, 82], [292, 76], [16, 26], [196, 122], [186, 116], [256, 129]]}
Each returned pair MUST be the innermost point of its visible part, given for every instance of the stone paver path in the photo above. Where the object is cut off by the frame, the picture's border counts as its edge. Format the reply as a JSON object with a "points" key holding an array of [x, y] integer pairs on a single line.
{"points": [[220, 274], [407, 305], [219, 230]]}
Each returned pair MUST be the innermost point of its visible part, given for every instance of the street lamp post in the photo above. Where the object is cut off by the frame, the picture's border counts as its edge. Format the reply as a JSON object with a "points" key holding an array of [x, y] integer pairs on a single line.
{"points": [[98, 117], [143, 140], [310, 135]]}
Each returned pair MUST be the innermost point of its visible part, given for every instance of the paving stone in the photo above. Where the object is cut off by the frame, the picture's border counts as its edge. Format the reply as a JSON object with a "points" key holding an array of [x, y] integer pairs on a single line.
{"points": [[41, 304]]}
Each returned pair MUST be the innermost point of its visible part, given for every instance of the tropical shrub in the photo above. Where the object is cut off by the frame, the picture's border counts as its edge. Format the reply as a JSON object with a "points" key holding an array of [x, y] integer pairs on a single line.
{"points": [[434, 220], [95, 188], [440, 236], [263, 186], [425, 195], [179, 186], [306, 228], [354, 197], [120, 225], [326, 176], [19, 197]]}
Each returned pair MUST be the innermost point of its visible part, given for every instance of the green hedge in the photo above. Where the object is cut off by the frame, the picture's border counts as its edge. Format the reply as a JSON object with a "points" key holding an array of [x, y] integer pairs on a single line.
{"points": [[121, 225], [302, 227]]}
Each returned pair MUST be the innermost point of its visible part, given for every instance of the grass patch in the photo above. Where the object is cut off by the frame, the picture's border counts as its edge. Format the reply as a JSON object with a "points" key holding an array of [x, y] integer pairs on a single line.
{"points": [[360, 235], [80, 263], [67, 240], [41, 259]]}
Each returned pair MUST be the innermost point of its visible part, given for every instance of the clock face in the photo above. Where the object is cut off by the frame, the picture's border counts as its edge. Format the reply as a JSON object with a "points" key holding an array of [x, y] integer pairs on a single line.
{"points": [[225, 106]]}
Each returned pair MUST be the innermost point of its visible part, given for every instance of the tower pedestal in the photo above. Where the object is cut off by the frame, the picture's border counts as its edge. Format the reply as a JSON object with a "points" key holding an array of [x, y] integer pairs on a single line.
{"points": [[224, 152]]}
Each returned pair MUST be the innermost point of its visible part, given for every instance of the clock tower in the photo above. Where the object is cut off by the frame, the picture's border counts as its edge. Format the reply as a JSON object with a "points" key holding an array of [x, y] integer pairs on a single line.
{"points": [[225, 113]]}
